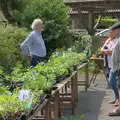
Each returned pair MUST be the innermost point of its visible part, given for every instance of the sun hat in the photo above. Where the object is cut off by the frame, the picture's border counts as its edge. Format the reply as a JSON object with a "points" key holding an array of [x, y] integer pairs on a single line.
{"points": [[115, 26]]}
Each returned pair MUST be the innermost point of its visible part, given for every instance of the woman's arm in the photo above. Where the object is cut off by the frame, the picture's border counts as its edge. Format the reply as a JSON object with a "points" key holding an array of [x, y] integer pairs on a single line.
{"points": [[105, 51], [108, 52]]}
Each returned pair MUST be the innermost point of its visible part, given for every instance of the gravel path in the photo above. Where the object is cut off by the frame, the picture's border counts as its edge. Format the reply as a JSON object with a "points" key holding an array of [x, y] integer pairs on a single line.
{"points": [[94, 103]]}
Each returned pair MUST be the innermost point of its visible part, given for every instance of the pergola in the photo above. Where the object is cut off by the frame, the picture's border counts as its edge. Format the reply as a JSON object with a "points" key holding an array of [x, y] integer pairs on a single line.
{"points": [[93, 7]]}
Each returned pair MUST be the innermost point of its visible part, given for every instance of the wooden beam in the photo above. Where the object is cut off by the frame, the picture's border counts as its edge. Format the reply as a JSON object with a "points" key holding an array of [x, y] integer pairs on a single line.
{"points": [[90, 22]]}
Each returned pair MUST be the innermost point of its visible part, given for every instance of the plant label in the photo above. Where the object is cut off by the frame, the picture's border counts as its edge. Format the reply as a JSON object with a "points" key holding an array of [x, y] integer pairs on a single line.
{"points": [[24, 94], [30, 102], [34, 74], [57, 53]]}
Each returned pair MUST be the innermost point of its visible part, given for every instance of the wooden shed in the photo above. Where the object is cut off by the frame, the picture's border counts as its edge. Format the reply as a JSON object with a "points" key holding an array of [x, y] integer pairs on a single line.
{"points": [[83, 12]]}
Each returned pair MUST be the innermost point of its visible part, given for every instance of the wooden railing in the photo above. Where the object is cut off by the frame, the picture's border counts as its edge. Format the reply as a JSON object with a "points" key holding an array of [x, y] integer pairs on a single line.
{"points": [[64, 96]]}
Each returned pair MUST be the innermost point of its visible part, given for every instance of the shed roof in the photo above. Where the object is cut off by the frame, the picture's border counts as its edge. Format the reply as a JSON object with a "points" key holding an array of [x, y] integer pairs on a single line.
{"points": [[109, 11], [70, 1], [81, 1], [95, 5]]}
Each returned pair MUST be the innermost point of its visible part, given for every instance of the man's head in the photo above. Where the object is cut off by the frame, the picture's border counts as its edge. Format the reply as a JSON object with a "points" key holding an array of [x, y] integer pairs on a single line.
{"points": [[115, 29], [37, 25]]}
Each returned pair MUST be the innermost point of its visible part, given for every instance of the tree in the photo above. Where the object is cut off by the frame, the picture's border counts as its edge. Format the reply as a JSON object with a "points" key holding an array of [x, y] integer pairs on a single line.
{"points": [[55, 16]]}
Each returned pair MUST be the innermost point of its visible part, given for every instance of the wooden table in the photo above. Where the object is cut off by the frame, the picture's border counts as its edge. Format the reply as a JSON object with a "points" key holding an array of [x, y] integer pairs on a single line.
{"points": [[84, 82], [65, 96]]}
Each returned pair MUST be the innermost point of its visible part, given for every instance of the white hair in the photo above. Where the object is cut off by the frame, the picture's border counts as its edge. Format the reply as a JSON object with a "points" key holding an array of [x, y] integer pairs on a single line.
{"points": [[36, 22]]}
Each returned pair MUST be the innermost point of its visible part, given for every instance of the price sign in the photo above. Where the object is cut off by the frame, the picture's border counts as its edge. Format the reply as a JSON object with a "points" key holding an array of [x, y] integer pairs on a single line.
{"points": [[34, 74], [24, 94]]}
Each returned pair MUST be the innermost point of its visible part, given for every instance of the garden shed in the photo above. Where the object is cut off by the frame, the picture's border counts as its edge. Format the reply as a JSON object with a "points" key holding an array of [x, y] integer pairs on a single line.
{"points": [[82, 12]]}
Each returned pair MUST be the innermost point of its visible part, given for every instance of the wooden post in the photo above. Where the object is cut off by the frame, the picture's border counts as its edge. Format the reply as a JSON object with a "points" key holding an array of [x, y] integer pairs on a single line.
{"points": [[80, 17], [57, 112], [73, 93], [91, 22], [86, 77], [48, 112], [76, 87]]}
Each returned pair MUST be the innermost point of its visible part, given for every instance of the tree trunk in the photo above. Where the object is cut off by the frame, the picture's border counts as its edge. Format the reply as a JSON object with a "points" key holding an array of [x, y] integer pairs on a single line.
{"points": [[5, 7]]}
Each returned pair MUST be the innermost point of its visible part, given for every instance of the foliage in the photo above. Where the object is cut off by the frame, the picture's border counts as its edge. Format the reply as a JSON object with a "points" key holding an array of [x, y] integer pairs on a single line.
{"points": [[107, 21], [64, 118], [10, 104], [36, 79], [82, 43], [10, 39], [4, 90], [54, 13]]}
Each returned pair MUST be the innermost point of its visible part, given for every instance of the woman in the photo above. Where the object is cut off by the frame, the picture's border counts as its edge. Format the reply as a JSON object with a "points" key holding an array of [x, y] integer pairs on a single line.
{"points": [[107, 50], [34, 47], [104, 51]]}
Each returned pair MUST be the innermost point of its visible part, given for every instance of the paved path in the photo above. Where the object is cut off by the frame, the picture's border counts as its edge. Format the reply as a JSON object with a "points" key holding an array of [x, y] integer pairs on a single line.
{"points": [[94, 103]]}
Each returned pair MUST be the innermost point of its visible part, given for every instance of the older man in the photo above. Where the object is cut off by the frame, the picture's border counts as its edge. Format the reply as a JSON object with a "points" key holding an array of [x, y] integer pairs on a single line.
{"points": [[34, 47], [116, 65]]}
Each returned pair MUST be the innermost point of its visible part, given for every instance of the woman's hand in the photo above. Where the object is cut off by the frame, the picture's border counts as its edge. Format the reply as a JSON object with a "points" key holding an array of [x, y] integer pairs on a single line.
{"points": [[30, 58], [106, 52]]}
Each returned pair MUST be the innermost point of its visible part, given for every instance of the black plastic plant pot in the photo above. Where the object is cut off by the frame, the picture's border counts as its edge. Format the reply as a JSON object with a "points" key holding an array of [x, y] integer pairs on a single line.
{"points": [[69, 74], [47, 91], [69, 71], [32, 111], [84, 61], [24, 117], [28, 115], [57, 80], [42, 98], [54, 88], [48, 96], [35, 108], [75, 67], [1, 118]]}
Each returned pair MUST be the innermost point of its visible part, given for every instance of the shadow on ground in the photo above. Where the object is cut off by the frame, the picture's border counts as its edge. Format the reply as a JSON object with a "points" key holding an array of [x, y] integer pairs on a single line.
{"points": [[89, 104]]}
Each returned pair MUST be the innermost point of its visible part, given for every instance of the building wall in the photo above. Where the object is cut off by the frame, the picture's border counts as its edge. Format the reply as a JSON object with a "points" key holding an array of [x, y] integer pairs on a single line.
{"points": [[79, 21]]}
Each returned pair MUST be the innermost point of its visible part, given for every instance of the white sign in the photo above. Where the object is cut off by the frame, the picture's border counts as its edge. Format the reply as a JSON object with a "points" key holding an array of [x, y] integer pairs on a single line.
{"points": [[34, 74], [24, 94]]}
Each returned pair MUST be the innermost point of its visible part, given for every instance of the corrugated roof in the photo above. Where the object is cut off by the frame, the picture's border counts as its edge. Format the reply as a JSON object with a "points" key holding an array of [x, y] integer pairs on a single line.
{"points": [[72, 1], [74, 12]]}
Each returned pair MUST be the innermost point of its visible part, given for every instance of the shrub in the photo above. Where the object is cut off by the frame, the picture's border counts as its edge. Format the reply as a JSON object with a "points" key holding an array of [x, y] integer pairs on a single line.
{"points": [[10, 39], [66, 118], [55, 16], [107, 21], [82, 43]]}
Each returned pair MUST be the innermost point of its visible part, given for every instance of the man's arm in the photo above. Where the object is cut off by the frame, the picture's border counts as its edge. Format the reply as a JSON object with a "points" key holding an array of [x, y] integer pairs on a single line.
{"points": [[25, 45]]}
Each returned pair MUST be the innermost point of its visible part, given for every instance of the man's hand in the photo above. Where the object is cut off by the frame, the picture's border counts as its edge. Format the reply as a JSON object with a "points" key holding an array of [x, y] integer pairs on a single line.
{"points": [[30, 58]]}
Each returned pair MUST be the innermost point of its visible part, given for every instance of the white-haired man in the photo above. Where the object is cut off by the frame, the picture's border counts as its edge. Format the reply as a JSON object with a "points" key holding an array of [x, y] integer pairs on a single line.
{"points": [[34, 47]]}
